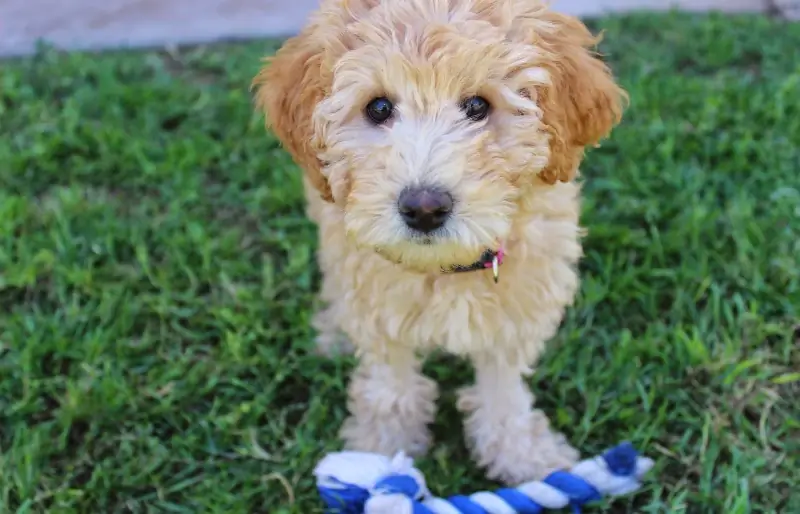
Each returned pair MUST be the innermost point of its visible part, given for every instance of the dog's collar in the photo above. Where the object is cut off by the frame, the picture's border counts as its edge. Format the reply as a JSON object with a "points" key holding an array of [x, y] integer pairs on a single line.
{"points": [[490, 259]]}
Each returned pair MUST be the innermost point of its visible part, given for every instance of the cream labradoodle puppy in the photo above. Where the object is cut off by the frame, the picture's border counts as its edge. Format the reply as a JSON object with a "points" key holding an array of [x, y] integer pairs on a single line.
{"points": [[440, 140]]}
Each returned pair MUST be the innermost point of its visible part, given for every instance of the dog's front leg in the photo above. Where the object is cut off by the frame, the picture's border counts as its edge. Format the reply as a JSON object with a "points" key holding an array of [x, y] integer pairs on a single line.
{"points": [[505, 434], [391, 404]]}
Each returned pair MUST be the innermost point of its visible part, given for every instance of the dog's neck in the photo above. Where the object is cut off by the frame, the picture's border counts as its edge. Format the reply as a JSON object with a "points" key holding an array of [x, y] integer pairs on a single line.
{"points": [[490, 259]]}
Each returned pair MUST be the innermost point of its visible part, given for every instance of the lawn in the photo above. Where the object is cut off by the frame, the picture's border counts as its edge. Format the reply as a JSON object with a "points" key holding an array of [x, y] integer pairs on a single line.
{"points": [[157, 277]]}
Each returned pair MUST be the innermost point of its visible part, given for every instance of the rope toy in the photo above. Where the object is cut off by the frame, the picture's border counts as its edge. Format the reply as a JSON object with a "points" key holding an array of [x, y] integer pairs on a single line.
{"points": [[368, 483]]}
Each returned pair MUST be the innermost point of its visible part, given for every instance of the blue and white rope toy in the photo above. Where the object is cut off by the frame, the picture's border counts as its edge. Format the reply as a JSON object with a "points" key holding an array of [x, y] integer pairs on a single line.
{"points": [[367, 483]]}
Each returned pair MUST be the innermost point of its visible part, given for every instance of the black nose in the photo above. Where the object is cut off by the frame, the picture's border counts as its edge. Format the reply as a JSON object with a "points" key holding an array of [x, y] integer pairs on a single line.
{"points": [[424, 209]]}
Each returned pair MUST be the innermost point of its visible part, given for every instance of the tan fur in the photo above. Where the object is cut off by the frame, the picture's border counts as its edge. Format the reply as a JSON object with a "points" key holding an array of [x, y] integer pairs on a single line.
{"points": [[512, 177]]}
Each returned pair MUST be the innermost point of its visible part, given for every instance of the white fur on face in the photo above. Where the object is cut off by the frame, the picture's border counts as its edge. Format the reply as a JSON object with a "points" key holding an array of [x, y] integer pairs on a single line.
{"points": [[429, 142]]}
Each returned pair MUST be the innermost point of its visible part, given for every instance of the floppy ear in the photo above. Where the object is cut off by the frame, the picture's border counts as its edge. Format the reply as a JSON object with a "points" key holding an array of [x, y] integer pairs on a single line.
{"points": [[582, 102], [288, 88]]}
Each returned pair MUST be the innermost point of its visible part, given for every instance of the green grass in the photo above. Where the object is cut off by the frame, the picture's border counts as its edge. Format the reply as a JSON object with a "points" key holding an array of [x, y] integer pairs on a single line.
{"points": [[157, 277]]}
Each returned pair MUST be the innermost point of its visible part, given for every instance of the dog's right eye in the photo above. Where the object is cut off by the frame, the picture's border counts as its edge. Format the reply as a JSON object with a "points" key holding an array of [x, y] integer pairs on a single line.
{"points": [[475, 107], [379, 110]]}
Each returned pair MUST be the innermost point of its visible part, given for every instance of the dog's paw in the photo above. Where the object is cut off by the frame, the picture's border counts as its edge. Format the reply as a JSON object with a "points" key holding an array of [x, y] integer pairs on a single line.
{"points": [[388, 415], [386, 436], [520, 454], [514, 443]]}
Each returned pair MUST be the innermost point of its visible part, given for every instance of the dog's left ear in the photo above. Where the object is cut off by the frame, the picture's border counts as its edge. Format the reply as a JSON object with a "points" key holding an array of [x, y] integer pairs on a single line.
{"points": [[287, 89], [582, 102]]}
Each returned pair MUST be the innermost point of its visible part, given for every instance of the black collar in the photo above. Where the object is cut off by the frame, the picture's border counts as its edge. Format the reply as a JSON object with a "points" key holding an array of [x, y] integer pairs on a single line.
{"points": [[490, 259]]}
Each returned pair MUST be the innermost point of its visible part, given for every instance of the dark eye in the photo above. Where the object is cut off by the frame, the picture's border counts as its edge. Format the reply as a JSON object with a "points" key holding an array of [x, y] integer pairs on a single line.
{"points": [[379, 110], [475, 107]]}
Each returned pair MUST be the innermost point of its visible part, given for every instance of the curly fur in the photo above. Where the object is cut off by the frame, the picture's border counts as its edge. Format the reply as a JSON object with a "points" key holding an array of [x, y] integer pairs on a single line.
{"points": [[513, 177]]}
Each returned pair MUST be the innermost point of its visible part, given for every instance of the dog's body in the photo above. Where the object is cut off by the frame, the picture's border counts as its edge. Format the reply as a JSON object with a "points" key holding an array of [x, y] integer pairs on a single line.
{"points": [[431, 132]]}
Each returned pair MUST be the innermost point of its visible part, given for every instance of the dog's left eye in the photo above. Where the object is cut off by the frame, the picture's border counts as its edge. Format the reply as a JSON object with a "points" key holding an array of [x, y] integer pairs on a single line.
{"points": [[476, 108], [379, 110]]}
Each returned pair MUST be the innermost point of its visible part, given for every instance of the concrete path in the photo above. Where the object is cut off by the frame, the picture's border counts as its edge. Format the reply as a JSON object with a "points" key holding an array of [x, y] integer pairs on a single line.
{"points": [[94, 24]]}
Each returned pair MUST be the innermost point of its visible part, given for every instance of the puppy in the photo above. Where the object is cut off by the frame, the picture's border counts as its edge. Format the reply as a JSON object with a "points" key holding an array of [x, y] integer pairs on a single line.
{"points": [[440, 141]]}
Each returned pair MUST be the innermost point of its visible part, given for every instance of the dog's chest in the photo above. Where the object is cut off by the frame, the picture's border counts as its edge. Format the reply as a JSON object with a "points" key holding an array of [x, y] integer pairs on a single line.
{"points": [[463, 313]]}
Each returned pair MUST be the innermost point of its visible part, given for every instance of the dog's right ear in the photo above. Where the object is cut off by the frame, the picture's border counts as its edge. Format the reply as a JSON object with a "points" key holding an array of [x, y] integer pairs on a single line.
{"points": [[583, 101], [287, 89]]}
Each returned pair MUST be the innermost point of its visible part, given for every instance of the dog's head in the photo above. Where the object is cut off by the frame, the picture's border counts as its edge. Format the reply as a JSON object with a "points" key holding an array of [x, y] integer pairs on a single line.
{"points": [[429, 121]]}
